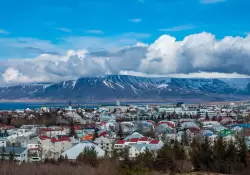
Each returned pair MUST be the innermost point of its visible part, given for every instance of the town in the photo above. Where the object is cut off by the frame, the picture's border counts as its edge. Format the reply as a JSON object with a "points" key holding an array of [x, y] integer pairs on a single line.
{"points": [[47, 133]]}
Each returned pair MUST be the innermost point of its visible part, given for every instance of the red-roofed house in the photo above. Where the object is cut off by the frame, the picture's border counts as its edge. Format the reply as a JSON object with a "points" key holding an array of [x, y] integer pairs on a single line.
{"points": [[157, 144], [144, 140], [54, 146], [120, 144]]}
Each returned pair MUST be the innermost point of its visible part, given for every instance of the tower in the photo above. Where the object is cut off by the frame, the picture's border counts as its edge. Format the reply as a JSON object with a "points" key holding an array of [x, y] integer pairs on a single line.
{"points": [[117, 102], [70, 105]]}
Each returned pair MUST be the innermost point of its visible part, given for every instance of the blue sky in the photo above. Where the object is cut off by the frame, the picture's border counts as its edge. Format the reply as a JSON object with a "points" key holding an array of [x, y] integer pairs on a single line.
{"points": [[44, 19], [29, 28]]}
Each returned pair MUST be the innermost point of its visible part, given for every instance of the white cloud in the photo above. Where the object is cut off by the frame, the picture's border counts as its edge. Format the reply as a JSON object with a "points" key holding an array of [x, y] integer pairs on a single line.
{"points": [[178, 28], [12, 75], [136, 20], [4, 32], [94, 31], [197, 55], [190, 75], [211, 1], [64, 30]]}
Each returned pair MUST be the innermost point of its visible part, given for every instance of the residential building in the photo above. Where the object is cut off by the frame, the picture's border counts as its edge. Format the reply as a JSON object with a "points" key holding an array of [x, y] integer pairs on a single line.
{"points": [[20, 153], [73, 152], [104, 143]]}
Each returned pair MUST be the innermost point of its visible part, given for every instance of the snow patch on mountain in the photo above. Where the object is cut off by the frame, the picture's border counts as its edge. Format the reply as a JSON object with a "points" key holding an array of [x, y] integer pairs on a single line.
{"points": [[161, 86]]}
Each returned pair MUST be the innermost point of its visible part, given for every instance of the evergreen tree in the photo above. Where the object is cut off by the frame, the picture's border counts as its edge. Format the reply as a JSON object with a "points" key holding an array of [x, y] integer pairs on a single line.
{"points": [[152, 117], [66, 157], [164, 159], [185, 138], [72, 132], [242, 151], [60, 159], [120, 132], [125, 157], [152, 132], [162, 116], [96, 135], [3, 151], [88, 156], [195, 154], [206, 153], [178, 151], [220, 162], [11, 156], [114, 154], [231, 155], [207, 117], [145, 159]]}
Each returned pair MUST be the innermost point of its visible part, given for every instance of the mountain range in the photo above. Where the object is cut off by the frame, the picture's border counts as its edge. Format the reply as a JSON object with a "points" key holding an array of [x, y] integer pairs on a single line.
{"points": [[126, 87]]}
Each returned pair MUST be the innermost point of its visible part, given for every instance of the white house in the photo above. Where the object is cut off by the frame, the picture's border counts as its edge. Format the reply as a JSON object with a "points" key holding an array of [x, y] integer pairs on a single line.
{"points": [[2, 143], [53, 147], [104, 143], [73, 152]]}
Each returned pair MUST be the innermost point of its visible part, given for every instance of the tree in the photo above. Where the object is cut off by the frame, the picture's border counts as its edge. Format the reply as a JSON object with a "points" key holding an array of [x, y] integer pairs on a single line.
{"points": [[60, 159], [88, 156], [206, 117], [162, 116], [152, 132], [72, 132], [195, 154], [65, 157], [120, 131], [125, 156], [11, 156], [206, 153], [242, 151], [220, 163], [178, 151], [96, 135], [3, 151], [164, 159], [231, 155], [185, 138]]}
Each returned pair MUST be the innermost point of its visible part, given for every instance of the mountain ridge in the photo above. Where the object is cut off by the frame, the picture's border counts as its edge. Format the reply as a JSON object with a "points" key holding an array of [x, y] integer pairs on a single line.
{"points": [[133, 87]]}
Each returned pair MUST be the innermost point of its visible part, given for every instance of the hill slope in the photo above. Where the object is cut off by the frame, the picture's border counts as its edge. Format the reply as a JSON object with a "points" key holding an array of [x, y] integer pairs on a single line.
{"points": [[133, 88]]}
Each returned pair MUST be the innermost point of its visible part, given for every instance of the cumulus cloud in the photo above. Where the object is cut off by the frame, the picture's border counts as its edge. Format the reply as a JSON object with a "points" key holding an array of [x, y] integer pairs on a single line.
{"points": [[197, 55]]}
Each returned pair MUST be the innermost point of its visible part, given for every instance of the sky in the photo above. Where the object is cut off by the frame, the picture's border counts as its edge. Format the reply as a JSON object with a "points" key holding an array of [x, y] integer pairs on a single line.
{"points": [[51, 40]]}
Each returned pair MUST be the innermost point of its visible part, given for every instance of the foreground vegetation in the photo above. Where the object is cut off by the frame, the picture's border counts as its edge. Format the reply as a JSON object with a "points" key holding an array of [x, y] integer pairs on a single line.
{"points": [[172, 158]]}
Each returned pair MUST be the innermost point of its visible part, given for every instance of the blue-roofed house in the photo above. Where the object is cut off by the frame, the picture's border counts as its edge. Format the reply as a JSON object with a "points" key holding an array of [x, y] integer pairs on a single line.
{"points": [[136, 149], [106, 118], [134, 135], [20, 153]]}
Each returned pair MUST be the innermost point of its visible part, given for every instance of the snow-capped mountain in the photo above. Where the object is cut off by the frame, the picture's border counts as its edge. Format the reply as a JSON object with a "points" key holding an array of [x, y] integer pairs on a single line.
{"points": [[128, 87]]}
